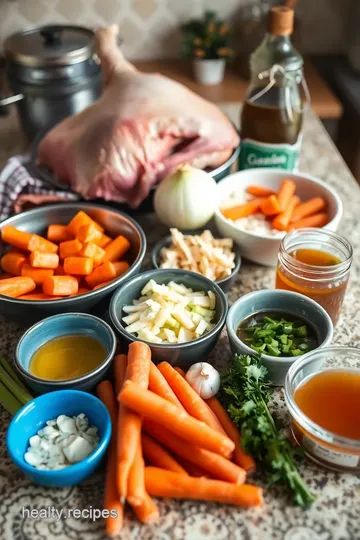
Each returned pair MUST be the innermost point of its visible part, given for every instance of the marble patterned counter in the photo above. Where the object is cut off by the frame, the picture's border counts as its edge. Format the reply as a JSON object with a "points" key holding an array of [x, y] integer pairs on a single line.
{"points": [[335, 514]]}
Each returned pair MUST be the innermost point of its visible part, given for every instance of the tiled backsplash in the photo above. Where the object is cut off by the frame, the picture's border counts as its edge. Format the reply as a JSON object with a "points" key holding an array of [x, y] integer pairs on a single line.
{"points": [[149, 28]]}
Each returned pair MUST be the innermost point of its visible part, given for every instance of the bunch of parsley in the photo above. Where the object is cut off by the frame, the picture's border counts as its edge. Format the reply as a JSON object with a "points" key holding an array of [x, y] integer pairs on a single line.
{"points": [[246, 393]]}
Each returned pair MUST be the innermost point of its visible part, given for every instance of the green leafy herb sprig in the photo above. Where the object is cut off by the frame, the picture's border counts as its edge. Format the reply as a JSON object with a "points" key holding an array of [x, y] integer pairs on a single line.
{"points": [[245, 390]]}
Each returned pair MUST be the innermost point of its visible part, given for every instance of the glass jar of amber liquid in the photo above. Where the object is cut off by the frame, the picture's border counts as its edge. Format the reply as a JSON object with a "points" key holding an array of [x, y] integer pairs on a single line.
{"points": [[316, 263]]}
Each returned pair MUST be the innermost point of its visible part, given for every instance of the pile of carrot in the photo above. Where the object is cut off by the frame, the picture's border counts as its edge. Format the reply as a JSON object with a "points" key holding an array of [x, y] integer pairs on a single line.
{"points": [[168, 442], [73, 259], [284, 208]]}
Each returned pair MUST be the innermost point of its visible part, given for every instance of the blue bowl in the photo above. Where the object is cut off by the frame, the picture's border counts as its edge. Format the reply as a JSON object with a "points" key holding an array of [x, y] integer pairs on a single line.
{"points": [[64, 325], [33, 416]]}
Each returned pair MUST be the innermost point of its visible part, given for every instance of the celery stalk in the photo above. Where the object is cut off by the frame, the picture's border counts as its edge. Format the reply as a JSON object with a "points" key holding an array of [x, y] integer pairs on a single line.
{"points": [[11, 372], [8, 401], [22, 395]]}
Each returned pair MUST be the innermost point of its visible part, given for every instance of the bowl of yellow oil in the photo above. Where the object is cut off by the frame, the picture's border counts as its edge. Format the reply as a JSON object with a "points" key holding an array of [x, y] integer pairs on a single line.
{"points": [[71, 350]]}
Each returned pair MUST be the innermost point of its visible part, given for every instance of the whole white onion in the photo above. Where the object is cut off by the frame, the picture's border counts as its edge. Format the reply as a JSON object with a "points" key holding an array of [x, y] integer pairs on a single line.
{"points": [[186, 199]]}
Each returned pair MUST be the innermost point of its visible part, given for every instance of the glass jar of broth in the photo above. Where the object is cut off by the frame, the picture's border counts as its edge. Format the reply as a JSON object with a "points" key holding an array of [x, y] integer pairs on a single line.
{"points": [[272, 115], [316, 263]]}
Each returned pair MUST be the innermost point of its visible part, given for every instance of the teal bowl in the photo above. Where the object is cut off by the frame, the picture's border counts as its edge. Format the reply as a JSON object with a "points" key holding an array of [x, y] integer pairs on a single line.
{"points": [[34, 415], [179, 354], [285, 302], [64, 325]]}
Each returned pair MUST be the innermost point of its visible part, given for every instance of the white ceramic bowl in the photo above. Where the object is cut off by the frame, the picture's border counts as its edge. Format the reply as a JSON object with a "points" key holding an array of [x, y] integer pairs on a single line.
{"points": [[258, 247]]}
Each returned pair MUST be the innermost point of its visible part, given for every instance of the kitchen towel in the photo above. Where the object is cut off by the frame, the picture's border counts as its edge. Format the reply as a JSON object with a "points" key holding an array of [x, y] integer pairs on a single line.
{"points": [[21, 188]]}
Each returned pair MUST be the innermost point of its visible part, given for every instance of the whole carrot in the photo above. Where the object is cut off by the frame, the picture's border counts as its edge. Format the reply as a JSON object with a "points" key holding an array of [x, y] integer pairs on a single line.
{"points": [[286, 191], [190, 429], [136, 482], [147, 511], [191, 468], [159, 385], [190, 399], [129, 423], [239, 456], [260, 191], [113, 525], [158, 456], [216, 466], [270, 206], [119, 367], [242, 210], [162, 483]]}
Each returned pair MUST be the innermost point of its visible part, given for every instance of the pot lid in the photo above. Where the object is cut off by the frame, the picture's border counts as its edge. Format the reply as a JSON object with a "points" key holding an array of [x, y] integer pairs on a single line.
{"points": [[50, 45]]}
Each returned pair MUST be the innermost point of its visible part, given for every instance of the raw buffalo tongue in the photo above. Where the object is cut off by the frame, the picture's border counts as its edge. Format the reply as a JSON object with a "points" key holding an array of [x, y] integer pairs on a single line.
{"points": [[142, 127]]}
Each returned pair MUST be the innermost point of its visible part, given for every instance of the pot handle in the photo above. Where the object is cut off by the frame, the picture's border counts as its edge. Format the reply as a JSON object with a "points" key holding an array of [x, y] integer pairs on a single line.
{"points": [[11, 99]]}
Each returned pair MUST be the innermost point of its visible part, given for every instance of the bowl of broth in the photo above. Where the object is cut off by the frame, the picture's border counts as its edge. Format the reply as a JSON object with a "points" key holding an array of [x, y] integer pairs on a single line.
{"points": [[322, 393], [67, 351], [281, 326]]}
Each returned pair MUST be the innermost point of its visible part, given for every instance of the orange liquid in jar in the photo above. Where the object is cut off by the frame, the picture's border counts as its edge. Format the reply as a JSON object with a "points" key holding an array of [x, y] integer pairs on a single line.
{"points": [[330, 295], [331, 399]]}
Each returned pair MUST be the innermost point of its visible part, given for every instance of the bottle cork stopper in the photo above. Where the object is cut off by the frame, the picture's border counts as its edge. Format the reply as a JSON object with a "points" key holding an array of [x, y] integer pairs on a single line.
{"points": [[281, 21]]}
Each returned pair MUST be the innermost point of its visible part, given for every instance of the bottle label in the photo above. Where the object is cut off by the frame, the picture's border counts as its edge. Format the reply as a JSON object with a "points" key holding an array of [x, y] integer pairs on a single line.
{"points": [[255, 154], [328, 454]]}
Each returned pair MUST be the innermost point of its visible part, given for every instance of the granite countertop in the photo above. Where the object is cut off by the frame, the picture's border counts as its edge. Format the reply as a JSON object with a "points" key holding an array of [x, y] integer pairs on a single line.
{"points": [[334, 515]]}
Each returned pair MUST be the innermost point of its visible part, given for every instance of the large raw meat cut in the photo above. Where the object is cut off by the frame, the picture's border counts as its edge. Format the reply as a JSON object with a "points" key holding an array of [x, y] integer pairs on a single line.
{"points": [[142, 127]]}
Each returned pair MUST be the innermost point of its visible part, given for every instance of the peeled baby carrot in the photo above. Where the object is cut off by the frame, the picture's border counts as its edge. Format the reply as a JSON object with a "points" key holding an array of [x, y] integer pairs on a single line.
{"points": [[242, 210], [16, 286], [94, 252], [158, 456], [12, 262], [104, 272], [281, 221], [88, 233], [159, 385], [147, 512], [15, 237], [70, 248], [60, 285], [316, 220], [39, 243], [81, 266], [260, 191], [38, 259], [270, 206], [239, 456], [113, 525], [313, 206], [36, 274], [286, 191], [187, 396], [80, 220], [103, 241], [162, 483], [116, 249], [58, 233], [121, 267], [160, 410], [215, 465]]}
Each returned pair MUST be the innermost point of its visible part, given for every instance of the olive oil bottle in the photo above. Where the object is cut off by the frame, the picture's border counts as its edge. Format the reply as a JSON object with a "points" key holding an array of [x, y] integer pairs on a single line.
{"points": [[272, 116]]}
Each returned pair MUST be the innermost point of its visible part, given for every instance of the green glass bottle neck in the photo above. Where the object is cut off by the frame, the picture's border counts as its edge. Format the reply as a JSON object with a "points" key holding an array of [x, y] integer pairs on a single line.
{"points": [[275, 50]]}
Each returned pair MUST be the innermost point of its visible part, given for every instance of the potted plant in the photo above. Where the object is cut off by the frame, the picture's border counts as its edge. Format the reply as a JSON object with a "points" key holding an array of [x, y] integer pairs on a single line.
{"points": [[206, 41]]}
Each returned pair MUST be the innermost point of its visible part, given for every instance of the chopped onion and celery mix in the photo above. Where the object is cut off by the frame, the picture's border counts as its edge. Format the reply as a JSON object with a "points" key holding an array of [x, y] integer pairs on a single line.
{"points": [[170, 313]]}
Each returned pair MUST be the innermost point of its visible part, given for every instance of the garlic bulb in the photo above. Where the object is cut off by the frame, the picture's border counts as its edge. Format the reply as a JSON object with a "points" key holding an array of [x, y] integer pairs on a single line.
{"points": [[186, 199], [204, 379]]}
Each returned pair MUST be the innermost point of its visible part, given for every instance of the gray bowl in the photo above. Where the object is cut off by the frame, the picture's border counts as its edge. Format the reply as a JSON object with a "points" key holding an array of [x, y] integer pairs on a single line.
{"points": [[37, 221], [289, 302], [182, 354], [225, 284], [64, 325]]}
